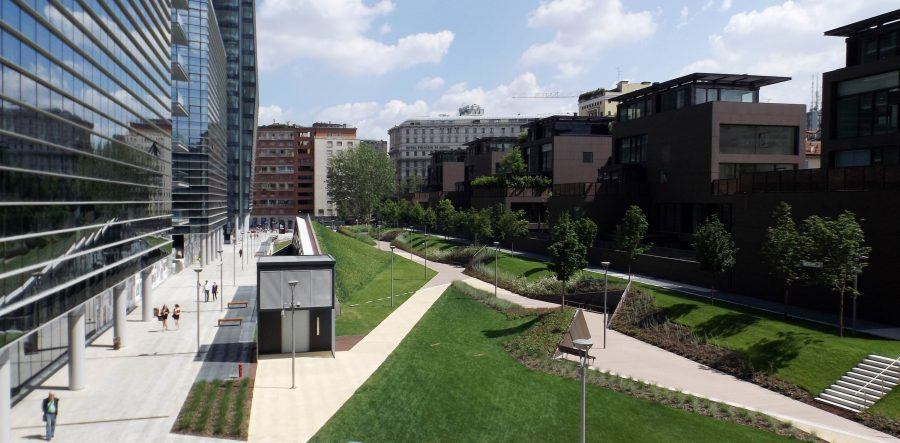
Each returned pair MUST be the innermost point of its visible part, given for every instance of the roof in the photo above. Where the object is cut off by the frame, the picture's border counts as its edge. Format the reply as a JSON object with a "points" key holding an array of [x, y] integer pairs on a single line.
{"points": [[746, 80], [491, 139], [865, 25], [576, 118], [294, 260]]}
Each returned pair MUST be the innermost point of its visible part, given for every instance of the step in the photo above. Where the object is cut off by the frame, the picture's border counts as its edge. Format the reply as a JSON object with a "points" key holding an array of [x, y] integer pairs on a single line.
{"points": [[855, 393], [863, 379], [871, 389], [836, 404], [882, 364], [853, 406], [871, 374], [849, 397], [879, 369], [884, 360]]}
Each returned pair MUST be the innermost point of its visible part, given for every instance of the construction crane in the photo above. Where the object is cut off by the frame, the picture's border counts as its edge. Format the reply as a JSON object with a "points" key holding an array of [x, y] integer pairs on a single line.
{"points": [[554, 94]]}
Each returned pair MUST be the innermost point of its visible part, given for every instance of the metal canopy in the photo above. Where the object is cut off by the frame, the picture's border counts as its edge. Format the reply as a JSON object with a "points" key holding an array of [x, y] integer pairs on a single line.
{"points": [[865, 25], [740, 80]]}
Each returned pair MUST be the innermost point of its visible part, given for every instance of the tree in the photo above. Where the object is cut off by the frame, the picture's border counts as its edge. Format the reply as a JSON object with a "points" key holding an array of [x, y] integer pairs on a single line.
{"points": [[715, 249], [512, 164], [388, 213], [429, 219], [510, 224], [416, 214], [839, 244], [586, 230], [444, 211], [358, 179], [784, 249], [568, 252], [476, 223], [630, 234], [411, 185]]}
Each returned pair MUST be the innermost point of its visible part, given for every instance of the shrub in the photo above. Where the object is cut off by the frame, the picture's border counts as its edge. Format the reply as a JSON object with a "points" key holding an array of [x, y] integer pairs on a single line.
{"points": [[540, 340]]}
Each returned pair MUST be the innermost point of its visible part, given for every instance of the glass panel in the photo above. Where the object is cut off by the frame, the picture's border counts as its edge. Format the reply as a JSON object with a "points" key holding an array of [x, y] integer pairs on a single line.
{"points": [[847, 116], [757, 140], [871, 83]]}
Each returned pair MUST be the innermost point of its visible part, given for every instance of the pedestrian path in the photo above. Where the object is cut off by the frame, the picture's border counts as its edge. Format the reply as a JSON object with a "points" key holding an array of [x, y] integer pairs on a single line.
{"points": [[134, 394]]}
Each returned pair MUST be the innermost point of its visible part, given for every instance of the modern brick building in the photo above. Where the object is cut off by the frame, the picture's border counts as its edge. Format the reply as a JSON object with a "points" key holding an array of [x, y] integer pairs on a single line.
{"points": [[567, 149], [283, 185]]}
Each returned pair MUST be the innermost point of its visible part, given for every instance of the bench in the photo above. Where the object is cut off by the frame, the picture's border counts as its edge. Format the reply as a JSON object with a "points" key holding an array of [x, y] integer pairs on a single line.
{"points": [[230, 320], [237, 304]]}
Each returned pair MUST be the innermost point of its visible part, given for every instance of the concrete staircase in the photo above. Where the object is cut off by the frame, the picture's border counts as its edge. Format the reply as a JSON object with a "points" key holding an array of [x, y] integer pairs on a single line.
{"points": [[865, 384]]}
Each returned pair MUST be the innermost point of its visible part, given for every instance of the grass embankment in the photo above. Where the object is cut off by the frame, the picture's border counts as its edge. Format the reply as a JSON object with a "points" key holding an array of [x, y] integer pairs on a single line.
{"points": [[808, 355], [417, 242], [452, 379], [364, 281], [279, 245], [218, 408]]}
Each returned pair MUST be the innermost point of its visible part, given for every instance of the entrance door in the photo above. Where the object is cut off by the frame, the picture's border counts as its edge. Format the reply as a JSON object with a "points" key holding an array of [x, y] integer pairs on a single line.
{"points": [[320, 329]]}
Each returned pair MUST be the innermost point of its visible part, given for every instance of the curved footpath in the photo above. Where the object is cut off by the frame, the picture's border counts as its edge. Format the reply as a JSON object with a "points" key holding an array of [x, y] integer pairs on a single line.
{"points": [[325, 384]]}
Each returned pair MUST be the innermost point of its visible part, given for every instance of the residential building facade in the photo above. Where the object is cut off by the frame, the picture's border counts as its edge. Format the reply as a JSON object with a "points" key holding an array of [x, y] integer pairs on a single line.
{"points": [[85, 178], [283, 179], [329, 139], [413, 141], [237, 24], [567, 149], [599, 102], [483, 155], [378, 145], [199, 121]]}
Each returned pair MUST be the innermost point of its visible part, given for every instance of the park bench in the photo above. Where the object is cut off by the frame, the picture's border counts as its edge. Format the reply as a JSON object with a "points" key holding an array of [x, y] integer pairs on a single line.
{"points": [[237, 304], [230, 320]]}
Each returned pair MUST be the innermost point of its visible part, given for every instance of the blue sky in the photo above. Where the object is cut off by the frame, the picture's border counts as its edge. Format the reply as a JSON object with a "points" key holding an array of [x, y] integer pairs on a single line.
{"points": [[375, 63]]}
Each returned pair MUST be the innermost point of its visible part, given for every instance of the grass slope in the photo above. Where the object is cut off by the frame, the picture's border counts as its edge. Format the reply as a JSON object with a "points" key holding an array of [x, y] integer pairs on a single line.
{"points": [[809, 355], [417, 241], [364, 275], [451, 380]]}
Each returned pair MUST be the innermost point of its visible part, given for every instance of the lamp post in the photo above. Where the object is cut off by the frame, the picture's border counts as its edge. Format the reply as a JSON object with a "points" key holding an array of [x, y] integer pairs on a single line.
{"points": [[221, 278], [583, 345], [292, 283], [496, 263], [605, 291], [392, 274], [410, 246], [198, 271], [233, 262], [426, 252]]}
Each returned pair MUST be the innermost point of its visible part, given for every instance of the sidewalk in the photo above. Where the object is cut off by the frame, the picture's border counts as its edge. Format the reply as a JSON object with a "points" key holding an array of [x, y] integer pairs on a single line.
{"points": [[135, 393]]}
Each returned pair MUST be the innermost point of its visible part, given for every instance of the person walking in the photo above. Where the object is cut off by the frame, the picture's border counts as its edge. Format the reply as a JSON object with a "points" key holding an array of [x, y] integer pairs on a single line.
{"points": [[207, 287], [176, 314], [50, 407], [215, 291], [164, 314], [241, 253]]}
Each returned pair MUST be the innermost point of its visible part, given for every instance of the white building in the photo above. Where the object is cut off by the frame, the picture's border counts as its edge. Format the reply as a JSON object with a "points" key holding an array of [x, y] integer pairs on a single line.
{"points": [[328, 140], [413, 141]]}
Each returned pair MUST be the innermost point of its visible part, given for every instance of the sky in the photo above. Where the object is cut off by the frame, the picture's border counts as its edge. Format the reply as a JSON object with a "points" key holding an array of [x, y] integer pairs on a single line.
{"points": [[375, 63]]}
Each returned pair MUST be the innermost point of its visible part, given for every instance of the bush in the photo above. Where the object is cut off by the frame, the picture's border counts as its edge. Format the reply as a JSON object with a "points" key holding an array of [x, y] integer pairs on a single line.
{"points": [[360, 233], [543, 288], [461, 255], [390, 234], [540, 340]]}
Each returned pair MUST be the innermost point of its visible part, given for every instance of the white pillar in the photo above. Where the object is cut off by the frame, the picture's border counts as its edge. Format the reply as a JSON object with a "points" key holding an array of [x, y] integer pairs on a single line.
{"points": [[120, 311], [76, 349], [203, 253], [5, 386], [146, 295]]}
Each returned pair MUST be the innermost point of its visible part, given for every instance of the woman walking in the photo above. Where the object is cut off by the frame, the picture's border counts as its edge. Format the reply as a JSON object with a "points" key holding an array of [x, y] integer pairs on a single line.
{"points": [[165, 316], [176, 314]]}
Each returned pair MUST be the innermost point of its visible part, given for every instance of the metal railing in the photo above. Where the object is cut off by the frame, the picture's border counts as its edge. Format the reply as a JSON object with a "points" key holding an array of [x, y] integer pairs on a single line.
{"points": [[863, 395]]}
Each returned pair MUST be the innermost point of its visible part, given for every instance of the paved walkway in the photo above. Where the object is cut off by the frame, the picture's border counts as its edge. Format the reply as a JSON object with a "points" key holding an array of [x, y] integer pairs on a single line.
{"points": [[134, 394]]}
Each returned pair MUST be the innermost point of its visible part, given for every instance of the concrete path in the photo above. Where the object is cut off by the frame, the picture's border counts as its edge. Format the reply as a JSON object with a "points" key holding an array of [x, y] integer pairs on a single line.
{"points": [[134, 394]]}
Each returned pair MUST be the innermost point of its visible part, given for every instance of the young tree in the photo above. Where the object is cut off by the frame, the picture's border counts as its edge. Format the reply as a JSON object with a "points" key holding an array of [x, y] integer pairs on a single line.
{"points": [[477, 224], [715, 249], [568, 252], [586, 230], [512, 164], [511, 224], [358, 179], [416, 214], [388, 213], [444, 211], [784, 249], [630, 234], [839, 244], [429, 219]]}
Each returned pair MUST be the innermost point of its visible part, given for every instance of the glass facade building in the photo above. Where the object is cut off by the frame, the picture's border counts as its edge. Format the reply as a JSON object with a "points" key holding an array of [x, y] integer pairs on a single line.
{"points": [[199, 123], [85, 166], [237, 23]]}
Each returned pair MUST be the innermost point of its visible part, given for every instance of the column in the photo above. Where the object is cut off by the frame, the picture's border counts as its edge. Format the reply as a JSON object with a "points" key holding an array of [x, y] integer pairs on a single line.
{"points": [[5, 386], [203, 254], [120, 310], [76, 349], [146, 295]]}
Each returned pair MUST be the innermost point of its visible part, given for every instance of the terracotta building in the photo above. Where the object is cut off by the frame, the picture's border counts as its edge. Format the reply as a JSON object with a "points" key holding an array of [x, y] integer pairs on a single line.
{"points": [[283, 181]]}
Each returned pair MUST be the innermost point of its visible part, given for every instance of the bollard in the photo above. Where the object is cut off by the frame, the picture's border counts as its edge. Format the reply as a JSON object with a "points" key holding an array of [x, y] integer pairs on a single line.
{"points": [[240, 370]]}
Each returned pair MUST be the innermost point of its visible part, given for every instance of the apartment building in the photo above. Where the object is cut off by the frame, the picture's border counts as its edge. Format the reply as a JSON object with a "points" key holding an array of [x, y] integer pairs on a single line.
{"points": [[329, 139], [599, 102], [283, 175]]}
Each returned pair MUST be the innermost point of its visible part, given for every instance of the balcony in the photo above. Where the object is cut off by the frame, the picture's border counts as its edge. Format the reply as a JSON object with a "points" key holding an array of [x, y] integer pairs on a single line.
{"points": [[178, 109], [180, 4], [179, 143], [179, 33], [179, 72]]}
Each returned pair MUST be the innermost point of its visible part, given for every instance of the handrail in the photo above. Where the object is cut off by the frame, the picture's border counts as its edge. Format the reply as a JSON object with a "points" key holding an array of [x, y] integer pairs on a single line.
{"points": [[890, 366]]}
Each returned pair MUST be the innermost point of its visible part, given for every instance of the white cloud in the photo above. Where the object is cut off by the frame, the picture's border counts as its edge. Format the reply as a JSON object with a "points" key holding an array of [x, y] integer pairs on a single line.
{"points": [[333, 31], [726, 5], [584, 28], [709, 4], [276, 114], [374, 119], [384, 29], [568, 70], [683, 17], [785, 39], [430, 83]]}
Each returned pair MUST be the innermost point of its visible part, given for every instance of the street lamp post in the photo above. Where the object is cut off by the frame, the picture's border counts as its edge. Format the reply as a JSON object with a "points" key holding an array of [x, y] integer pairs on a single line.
{"points": [[605, 291], [198, 271], [292, 283], [426, 252], [496, 263], [583, 345], [392, 274], [221, 278], [233, 262]]}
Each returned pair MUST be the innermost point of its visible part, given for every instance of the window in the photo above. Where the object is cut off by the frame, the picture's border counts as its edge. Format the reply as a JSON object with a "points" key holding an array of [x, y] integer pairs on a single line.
{"points": [[736, 95], [587, 157], [867, 105], [631, 149], [547, 158], [734, 170], [758, 140]]}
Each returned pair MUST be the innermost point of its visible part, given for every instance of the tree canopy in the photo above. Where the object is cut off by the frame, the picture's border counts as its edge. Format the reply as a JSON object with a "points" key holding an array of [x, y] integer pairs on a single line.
{"points": [[630, 234], [358, 179]]}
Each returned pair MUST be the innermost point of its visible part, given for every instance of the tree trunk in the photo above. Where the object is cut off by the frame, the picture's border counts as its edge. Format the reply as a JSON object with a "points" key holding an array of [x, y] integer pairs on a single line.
{"points": [[712, 294], [841, 320], [787, 290]]}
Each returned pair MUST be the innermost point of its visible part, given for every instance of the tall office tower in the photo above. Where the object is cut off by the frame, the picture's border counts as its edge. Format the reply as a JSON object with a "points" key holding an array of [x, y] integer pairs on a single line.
{"points": [[199, 122], [85, 178], [237, 23]]}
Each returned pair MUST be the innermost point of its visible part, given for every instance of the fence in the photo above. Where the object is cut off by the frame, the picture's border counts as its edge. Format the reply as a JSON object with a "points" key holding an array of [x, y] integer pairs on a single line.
{"points": [[860, 178]]}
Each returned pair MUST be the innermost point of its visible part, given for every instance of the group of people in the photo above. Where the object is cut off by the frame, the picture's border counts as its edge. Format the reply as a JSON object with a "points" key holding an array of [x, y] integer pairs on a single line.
{"points": [[163, 315], [208, 288]]}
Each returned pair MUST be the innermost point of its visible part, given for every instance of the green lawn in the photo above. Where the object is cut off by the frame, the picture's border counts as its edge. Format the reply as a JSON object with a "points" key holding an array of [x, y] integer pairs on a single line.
{"points": [[806, 354], [451, 380], [417, 241], [364, 275]]}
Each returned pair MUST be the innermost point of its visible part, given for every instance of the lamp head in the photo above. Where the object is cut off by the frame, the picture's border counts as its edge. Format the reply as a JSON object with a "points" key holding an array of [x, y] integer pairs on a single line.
{"points": [[198, 270], [496, 243], [605, 264], [393, 247], [292, 283], [583, 344]]}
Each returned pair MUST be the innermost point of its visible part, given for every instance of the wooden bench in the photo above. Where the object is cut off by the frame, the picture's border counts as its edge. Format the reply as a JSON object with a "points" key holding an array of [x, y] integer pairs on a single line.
{"points": [[232, 320], [237, 304]]}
